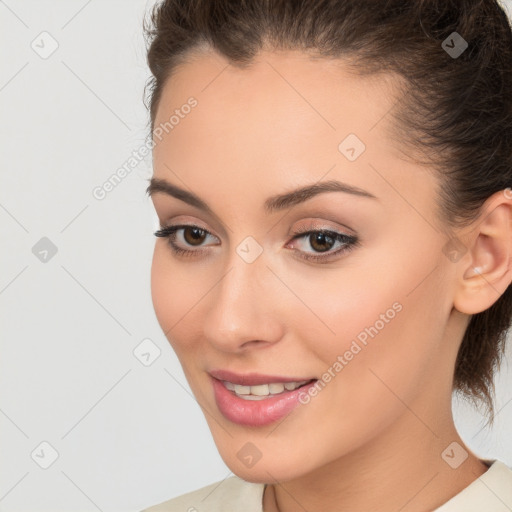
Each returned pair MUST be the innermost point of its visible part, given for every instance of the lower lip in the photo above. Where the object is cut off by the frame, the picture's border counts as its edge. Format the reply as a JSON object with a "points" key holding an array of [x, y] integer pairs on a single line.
{"points": [[256, 413]]}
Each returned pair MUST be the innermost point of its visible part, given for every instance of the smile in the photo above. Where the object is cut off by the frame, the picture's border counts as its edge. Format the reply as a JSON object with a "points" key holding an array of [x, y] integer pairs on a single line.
{"points": [[256, 400], [262, 391]]}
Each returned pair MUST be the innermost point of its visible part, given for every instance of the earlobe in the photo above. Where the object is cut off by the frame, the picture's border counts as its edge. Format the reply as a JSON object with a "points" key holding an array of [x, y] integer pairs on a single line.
{"points": [[488, 272]]}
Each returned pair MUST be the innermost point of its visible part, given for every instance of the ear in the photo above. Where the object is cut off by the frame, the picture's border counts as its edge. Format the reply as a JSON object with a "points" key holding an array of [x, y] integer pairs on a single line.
{"points": [[486, 271]]}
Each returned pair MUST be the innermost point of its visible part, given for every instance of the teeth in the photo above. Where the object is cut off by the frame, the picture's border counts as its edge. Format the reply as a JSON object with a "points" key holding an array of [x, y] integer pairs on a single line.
{"points": [[276, 388], [253, 397], [242, 390], [294, 385], [262, 391]]}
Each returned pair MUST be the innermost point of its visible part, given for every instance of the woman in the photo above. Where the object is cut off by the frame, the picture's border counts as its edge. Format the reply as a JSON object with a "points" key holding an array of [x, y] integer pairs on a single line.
{"points": [[334, 258]]}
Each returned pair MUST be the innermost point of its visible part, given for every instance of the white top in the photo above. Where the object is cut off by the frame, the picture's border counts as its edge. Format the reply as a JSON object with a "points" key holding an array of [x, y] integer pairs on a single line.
{"points": [[491, 492]]}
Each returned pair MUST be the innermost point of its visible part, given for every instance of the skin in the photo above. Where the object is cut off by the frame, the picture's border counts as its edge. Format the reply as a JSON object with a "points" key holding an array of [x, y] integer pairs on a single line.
{"points": [[383, 422]]}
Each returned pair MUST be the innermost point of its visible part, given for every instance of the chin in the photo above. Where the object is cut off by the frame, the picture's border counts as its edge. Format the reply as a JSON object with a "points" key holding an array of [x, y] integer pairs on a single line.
{"points": [[280, 467], [263, 472]]}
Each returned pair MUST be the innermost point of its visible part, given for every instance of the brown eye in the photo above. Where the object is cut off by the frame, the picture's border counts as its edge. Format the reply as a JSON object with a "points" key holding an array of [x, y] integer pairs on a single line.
{"points": [[321, 242], [317, 245], [184, 235], [194, 235]]}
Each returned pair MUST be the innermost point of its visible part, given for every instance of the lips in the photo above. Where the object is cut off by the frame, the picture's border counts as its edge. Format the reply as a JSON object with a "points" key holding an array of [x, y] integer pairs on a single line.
{"points": [[259, 409]]}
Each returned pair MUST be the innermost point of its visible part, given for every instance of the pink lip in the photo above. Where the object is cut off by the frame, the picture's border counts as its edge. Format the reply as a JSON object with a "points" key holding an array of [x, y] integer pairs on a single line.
{"points": [[256, 413]]}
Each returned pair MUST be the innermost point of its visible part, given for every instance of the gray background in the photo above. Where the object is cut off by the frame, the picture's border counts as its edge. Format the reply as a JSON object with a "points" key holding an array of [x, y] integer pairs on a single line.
{"points": [[125, 430]]}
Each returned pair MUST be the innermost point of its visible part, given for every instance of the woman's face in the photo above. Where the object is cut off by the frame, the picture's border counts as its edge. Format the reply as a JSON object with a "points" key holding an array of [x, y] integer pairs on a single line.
{"points": [[255, 296]]}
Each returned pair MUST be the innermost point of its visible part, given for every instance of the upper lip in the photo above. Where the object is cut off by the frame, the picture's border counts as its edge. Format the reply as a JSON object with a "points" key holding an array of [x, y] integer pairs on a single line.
{"points": [[253, 379]]}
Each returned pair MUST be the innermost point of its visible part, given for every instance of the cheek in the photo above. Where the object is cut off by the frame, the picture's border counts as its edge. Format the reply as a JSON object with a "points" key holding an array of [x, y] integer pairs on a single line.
{"points": [[357, 303], [161, 288], [173, 296], [384, 337]]}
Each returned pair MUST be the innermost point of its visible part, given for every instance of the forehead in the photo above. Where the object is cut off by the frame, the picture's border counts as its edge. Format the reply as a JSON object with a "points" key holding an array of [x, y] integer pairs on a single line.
{"points": [[283, 86], [279, 121]]}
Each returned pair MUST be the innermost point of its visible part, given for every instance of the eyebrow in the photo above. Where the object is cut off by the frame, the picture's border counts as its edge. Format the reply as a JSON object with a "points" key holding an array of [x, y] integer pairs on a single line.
{"points": [[272, 204]]}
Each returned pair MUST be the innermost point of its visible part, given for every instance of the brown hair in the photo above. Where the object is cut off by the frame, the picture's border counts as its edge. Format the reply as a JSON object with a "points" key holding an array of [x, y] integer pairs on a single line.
{"points": [[455, 110]]}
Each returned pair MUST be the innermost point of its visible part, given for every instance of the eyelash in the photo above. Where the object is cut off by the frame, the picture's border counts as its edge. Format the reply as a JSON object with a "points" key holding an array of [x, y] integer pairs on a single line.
{"points": [[349, 241]]}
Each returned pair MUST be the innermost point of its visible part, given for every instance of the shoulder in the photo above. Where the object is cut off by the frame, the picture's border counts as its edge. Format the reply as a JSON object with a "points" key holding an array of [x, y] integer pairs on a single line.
{"points": [[491, 492], [230, 495]]}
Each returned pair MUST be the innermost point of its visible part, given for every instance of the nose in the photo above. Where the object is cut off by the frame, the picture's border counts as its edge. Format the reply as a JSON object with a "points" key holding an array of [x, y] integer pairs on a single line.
{"points": [[243, 310]]}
